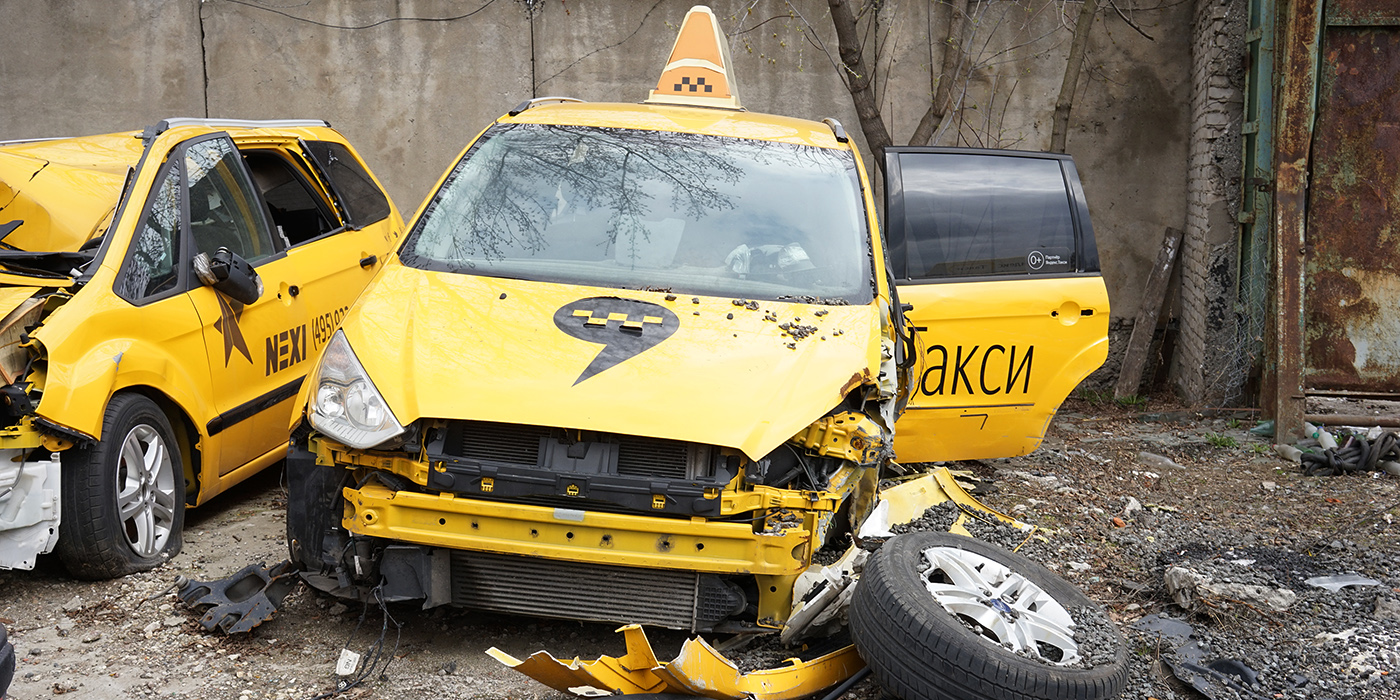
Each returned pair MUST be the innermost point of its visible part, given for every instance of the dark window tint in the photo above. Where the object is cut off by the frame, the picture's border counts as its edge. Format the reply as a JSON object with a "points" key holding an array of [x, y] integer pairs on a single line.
{"points": [[150, 267], [362, 199], [973, 215]]}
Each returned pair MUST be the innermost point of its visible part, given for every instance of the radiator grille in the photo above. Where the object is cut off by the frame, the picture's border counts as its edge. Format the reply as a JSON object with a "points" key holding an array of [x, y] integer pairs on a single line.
{"points": [[499, 442], [573, 590], [662, 459]]}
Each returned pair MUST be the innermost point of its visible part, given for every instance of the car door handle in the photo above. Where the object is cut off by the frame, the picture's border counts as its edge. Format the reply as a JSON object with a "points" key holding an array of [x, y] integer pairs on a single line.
{"points": [[369, 260]]}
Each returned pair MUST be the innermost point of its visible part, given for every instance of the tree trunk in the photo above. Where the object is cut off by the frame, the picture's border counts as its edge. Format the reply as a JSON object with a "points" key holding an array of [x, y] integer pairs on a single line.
{"points": [[942, 83], [860, 80], [1085, 22]]}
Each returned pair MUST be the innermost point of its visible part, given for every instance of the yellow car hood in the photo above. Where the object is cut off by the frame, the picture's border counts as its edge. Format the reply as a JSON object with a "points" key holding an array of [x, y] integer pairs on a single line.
{"points": [[64, 190], [699, 369]]}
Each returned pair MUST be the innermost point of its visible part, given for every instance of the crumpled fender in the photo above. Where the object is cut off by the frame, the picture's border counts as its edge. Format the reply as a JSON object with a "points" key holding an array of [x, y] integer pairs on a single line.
{"points": [[76, 392]]}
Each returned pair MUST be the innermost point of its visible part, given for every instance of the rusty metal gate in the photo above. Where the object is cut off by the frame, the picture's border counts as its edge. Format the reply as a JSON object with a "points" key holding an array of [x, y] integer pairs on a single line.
{"points": [[1351, 296]]}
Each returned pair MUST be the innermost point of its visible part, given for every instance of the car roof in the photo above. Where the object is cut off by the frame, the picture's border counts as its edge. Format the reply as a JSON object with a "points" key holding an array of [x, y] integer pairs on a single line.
{"points": [[65, 188], [691, 120]]}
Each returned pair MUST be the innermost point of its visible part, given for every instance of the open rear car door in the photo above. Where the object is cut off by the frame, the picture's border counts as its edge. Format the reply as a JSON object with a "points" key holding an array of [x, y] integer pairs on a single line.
{"points": [[995, 253]]}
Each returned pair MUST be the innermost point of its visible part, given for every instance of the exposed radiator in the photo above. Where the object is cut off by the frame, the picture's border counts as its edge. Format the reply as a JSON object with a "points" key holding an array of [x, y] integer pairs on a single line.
{"points": [[595, 592]]}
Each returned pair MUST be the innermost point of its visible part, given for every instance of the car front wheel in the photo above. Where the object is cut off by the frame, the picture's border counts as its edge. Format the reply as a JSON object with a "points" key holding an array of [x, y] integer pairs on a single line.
{"points": [[124, 498]]}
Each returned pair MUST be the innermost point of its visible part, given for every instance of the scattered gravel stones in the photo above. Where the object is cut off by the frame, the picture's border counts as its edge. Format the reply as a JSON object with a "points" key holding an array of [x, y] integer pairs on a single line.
{"points": [[1093, 632], [936, 519]]}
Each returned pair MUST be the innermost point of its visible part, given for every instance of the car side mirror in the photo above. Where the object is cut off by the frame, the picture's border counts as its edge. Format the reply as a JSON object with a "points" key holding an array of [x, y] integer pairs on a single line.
{"points": [[230, 274]]}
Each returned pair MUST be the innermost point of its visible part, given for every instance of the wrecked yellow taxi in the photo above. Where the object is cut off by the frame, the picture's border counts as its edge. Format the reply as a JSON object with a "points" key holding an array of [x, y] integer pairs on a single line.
{"points": [[638, 362], [162, 295]]}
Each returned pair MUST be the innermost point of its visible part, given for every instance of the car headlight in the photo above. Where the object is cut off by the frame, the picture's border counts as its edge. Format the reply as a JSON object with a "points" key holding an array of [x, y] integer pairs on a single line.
{"points": [[344, 403]]}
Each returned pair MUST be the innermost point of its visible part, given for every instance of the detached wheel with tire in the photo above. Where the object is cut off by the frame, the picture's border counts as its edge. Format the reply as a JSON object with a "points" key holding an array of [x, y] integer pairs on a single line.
{"points": [[939, 616], [124, 498]]}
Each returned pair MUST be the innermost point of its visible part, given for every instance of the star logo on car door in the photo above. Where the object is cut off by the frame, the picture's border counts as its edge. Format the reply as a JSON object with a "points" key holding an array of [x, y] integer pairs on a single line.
{"points": [[227, 325]]}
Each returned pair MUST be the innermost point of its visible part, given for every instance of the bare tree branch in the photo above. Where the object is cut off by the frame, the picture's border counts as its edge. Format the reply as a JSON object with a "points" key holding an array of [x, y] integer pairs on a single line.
{"points": [[1130, 23], [816, 41], [942, 81], [1060, 130], [860, 82]]}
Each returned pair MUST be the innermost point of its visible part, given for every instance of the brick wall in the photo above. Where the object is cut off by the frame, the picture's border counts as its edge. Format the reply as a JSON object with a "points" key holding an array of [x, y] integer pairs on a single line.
{"points": [[1207, 365]]}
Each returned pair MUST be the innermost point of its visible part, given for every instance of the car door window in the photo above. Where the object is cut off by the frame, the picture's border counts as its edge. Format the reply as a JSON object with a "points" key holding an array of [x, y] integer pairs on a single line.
{"points": [[364, 202], [224, 212], [151, 268], [299, 213], [973, 215]]}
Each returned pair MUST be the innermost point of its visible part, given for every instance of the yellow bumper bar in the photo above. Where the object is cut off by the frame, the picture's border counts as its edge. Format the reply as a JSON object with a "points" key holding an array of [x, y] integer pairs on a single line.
{"points": [[695, 544]]}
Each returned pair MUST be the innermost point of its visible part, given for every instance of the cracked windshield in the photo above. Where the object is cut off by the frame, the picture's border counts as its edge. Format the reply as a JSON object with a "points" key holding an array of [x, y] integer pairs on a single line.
{"points": [[651, 210]]}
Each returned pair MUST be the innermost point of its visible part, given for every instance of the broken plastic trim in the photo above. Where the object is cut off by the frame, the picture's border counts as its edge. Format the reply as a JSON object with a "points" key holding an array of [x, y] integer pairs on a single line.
{"points": [[30, 509], [242, 601], [697, 670]]}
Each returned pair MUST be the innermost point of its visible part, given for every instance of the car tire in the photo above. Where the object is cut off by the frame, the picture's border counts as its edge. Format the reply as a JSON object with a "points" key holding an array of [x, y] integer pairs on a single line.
{"points": [[123, 498], [7, 662], [918, 650]]}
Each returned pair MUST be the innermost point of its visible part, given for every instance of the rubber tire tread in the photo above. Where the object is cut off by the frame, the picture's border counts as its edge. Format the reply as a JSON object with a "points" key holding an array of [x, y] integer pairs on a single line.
{"points": [[91, 543], [918, 651], [7, 661]]}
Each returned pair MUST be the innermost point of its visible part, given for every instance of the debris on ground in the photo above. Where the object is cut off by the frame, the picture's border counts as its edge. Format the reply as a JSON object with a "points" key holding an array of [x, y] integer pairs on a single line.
{"points": [[1357, 453], [1191, 590], [1337, 582], [240, 602], [697, 670], [1192, 661]]}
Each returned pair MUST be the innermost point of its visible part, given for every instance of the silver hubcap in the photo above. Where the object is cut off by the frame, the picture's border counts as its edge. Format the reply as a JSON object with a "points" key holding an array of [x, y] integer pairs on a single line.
{"points": [[145, 491], [1000, 604]]}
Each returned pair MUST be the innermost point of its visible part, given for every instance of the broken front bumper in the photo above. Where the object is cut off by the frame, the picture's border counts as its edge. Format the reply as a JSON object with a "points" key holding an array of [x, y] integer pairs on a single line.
{"points": [[559, 562], [352, 529]]}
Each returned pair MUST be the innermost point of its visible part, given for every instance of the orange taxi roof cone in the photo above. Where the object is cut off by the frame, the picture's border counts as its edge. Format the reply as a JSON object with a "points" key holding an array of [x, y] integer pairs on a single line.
{"points": [[699, 72]]}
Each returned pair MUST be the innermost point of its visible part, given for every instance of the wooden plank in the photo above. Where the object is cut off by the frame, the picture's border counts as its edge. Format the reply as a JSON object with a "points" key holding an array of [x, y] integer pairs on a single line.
{"points": [[1135, 358]]}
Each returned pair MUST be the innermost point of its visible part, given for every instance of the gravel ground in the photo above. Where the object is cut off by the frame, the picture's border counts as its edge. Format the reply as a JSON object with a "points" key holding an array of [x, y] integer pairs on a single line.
{"points": [[1207, 497]]}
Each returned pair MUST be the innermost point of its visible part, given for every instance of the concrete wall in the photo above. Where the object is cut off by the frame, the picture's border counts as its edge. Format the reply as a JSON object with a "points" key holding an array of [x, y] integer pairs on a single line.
{"points": [[410, 93], [1210, 363], [71, 67]]}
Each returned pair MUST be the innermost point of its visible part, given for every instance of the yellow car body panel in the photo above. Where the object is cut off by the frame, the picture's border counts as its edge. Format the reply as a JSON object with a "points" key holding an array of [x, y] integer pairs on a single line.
{"points": [[64, 190], [225, 373], [416, 333], [996, 361], [698, 670]]}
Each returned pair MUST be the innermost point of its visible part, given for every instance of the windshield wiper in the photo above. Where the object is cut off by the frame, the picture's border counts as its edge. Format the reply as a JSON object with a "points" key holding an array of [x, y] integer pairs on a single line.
{"points": [[48, 264]]}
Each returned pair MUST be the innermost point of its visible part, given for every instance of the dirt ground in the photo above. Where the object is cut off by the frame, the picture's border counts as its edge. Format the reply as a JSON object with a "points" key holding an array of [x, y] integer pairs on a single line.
{"points": [[1206, 496]]}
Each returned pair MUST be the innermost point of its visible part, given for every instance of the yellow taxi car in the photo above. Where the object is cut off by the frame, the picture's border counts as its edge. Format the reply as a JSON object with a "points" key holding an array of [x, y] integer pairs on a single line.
{"points": [[637, 362], [163, 293]]}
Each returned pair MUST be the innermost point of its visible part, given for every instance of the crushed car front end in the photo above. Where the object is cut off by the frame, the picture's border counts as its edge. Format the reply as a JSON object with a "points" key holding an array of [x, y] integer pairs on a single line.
{"points": [[587, 389]]}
